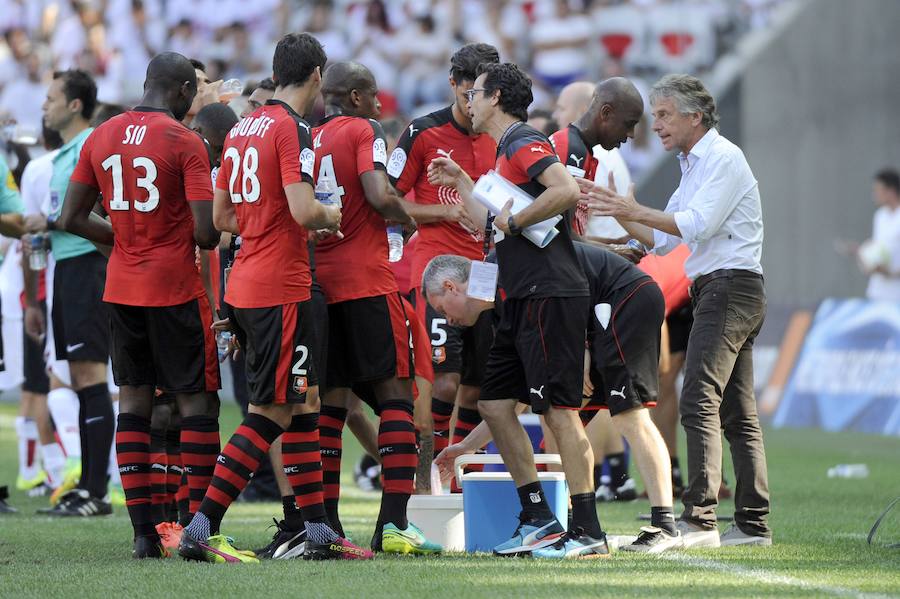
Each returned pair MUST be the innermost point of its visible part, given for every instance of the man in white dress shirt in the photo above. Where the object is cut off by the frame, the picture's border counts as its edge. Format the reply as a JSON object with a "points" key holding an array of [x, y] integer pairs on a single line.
{"points": [[716, 211], [879, 257]]}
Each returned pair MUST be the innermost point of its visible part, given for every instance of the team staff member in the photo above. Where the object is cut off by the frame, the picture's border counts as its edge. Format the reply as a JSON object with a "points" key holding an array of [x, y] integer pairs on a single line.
{"points": [[538, 350], [153, 174], [445, 227], [80, 319], [716, 211]]}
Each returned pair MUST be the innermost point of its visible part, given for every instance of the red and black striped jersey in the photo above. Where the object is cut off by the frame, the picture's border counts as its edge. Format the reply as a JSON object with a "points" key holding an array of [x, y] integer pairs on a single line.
{"points": [[527, 271], [433, 136], [578, 158], [356, 266]]}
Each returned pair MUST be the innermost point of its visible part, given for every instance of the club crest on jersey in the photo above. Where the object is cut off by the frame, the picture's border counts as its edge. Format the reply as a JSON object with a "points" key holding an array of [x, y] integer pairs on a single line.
{"points": [[300, 385], [379, 151], [396, 163], [438, 355]]}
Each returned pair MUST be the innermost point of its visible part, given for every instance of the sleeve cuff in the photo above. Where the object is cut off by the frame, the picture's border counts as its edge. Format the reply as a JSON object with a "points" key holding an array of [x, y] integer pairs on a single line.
{"points": [[685, 222]]}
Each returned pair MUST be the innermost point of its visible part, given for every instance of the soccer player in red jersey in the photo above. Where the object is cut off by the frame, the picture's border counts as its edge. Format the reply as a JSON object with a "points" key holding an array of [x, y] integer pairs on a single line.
{"points": [[369, 340], [153, 174], [264, 193], [458, 354]]}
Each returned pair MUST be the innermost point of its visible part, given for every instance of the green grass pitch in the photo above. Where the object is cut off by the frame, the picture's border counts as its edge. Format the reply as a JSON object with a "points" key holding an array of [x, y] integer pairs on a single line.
{"points": [[819, 523]]}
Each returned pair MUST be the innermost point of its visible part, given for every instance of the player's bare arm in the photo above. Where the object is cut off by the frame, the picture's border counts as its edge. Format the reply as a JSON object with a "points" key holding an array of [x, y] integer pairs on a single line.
{"points": [[223, 216], [561, 194], [309, 213], [12, 224], [78, 215], [205, 233], [382, 197]]}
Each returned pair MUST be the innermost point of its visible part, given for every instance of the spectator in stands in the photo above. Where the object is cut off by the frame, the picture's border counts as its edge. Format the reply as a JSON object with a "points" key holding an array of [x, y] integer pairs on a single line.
{"points": [[421, 78], [558, 42], [543, 121], [17, 100]]}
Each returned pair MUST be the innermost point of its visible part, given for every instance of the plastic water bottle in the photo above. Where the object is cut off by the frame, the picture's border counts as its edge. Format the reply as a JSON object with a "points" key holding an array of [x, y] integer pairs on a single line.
{"points": [[849, 471], [325, 192], [38, 258], [229, 89], [395, 243], [223, 341]]}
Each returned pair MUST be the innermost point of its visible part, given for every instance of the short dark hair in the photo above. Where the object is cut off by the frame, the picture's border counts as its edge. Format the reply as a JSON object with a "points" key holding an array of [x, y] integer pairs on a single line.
{"points": [[296, 57], [106, 111], [197, 64], [79, 85], [514, 86], [217, 117], [889, 178], [267, 84], [464, 62]]}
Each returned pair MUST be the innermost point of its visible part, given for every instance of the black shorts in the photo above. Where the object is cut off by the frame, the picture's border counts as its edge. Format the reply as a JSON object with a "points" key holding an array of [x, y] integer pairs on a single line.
{"points": [[462, 350], [369, 340], [625, 355], [80, 318], [33, 364], [172, 348], [680, 322], [278, 345], [538, 353]]}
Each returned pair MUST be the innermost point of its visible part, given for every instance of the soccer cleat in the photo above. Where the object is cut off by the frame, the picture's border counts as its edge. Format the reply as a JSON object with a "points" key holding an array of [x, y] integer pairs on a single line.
{"points": [[531, 535], [654, 540], [574, 544], [411, 540], [78, 503], [70, 480], [286, 543], [695, 537], [5, 508], [627, 491], [26, 484], [169, 535], [42, 490], [217, 549], [149, 547], [367, 473], [734, 536], [340, 548]]}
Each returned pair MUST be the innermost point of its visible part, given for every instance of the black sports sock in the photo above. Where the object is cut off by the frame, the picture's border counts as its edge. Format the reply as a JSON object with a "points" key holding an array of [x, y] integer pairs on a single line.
{"points": [[292, 517], [618, 469], [99, 429], [534, 504], [584, 515], [598, 473], [158, 473], [664, 518]]}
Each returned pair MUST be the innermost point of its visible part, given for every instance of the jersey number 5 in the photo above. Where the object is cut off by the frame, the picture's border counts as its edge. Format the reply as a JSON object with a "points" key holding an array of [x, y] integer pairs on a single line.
{"points": [[118, 201], [249, 191]]}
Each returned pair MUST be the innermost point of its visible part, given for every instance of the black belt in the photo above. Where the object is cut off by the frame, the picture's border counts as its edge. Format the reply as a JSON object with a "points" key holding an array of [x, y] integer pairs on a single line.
{"points": [[723, 273]]}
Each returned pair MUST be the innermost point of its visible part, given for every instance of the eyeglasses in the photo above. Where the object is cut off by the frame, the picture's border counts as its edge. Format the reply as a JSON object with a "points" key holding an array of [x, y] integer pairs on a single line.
{"points": [[470, 94]]}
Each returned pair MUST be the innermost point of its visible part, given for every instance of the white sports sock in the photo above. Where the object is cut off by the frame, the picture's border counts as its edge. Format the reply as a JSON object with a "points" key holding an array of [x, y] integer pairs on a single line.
{"points": [[114, 477], [27, 433], [54, 463], [63, 404]]}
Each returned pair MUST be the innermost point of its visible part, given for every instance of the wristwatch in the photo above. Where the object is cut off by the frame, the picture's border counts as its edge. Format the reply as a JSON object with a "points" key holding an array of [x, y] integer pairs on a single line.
{"points": [[514, 229]]}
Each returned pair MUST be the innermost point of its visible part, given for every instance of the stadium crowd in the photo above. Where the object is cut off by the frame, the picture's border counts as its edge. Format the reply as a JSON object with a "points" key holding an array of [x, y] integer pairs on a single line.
{"points": [[256, 229]]}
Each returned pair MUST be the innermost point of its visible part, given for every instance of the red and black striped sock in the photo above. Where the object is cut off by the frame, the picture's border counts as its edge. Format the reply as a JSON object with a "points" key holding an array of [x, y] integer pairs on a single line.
{"points": [[397, 446], [133, 456], [174, 472], [441, 412], [199, 450], [303, 465], [238, 461], [158, 472], [183, 499], [331, 429], [466, 420]]}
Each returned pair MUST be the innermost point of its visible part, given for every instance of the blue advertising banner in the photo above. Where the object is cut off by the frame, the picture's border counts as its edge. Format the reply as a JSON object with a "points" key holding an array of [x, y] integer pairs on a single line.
{"points": [[848, 374]]}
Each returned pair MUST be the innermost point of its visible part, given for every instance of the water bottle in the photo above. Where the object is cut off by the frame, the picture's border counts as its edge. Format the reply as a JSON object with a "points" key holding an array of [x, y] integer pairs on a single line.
{"points": [[229, 89], [38, 258], [325, 191], [223, 342], [395, 243], [849, 471]]}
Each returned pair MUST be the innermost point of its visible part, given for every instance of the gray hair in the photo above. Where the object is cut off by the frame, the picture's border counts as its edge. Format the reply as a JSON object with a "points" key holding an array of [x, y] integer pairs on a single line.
{"points": [[443, 268], [690, 96]]}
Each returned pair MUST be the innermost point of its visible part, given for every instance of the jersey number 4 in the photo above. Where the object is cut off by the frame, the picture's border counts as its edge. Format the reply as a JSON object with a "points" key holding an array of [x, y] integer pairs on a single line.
{"points": [[118, 201], [326, 169]]}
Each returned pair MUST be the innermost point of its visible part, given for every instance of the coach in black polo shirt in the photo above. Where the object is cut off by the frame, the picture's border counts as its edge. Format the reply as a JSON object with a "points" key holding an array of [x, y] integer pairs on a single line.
{"points": [[538, 351], [716, 211]]}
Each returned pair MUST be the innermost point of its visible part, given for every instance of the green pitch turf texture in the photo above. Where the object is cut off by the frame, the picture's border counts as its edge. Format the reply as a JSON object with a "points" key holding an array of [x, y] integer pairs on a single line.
{"points": [[820, 549]]}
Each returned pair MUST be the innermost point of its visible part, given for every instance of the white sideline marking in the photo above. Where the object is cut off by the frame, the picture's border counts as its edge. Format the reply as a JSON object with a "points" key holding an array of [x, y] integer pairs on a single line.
{"points": [[767, 577]]}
